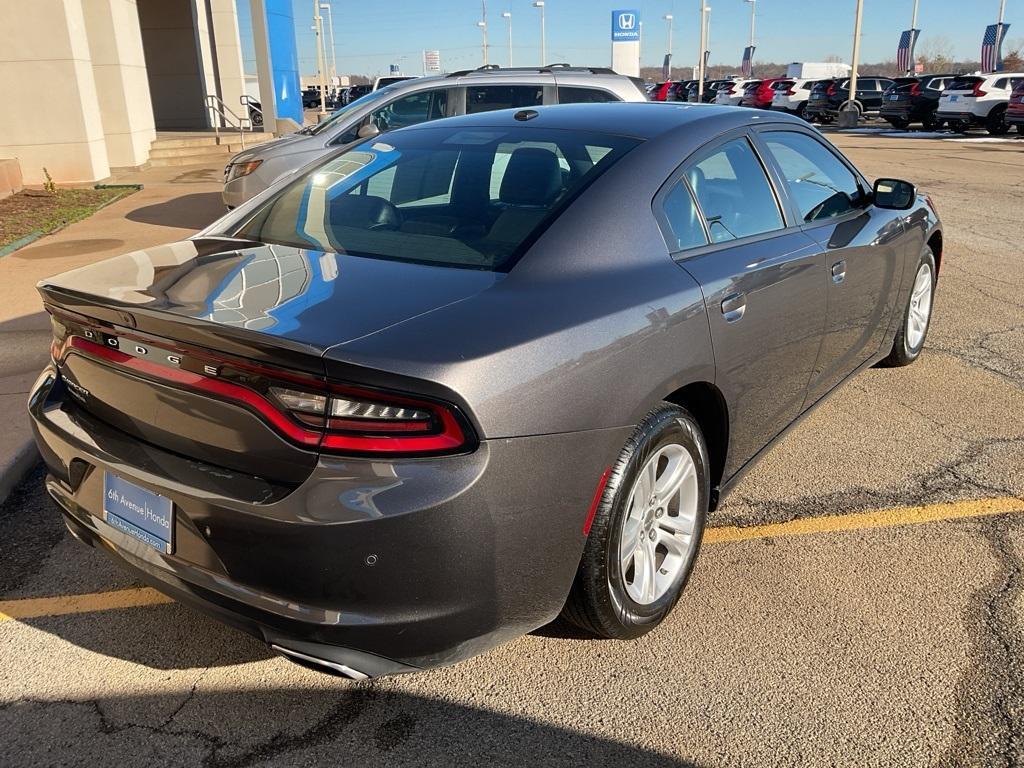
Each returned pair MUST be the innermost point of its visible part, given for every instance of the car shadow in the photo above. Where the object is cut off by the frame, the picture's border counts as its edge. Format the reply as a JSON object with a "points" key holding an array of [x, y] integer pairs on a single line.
{"points": [[193, 211], [359, 724]]}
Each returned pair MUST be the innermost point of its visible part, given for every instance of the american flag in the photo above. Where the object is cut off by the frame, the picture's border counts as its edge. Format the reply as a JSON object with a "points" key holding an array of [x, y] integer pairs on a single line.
{"points": [[991, 47], [748, 61], [905, 53]]}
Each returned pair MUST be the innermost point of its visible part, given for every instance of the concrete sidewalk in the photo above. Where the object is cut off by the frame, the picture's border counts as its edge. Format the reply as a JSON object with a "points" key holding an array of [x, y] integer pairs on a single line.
{"points": [[174, 203]]}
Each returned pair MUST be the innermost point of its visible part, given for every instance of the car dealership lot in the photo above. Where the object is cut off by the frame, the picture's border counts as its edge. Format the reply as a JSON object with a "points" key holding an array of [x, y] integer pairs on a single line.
{"points": [[814, 635]]}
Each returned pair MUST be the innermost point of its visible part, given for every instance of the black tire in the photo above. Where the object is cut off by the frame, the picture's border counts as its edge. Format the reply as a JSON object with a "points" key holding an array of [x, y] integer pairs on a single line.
{"points": [[901, 353], [996, 123], [801, 111], [598, 602], [958, 126], [899, 123], [930, 123]]}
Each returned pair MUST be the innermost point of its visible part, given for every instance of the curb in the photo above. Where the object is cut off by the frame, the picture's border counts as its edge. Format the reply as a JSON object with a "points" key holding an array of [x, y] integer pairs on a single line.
{"points": [[16, 468]]}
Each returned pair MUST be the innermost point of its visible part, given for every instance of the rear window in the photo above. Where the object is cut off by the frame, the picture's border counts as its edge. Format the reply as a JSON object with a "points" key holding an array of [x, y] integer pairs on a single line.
{"points": [[782, 85], [485, 98], [459, 197], [964, 83]]}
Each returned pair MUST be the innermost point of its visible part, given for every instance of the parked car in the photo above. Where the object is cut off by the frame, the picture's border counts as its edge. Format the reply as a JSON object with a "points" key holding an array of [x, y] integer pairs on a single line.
{"points": [[310, 98], [867, 100], [386, 80], [978, 101], [731, 95], [761, 96], [681, 90], [1015, 109], [817, 108], [661, 91], [914, 99], [415, 101], [253, 422], [711, 89], [792, 96], [355, 92]]}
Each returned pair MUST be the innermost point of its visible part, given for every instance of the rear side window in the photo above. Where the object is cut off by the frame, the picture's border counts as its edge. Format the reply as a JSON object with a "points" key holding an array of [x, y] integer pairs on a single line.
{"points": [[733, 193], [568, 94], [683, 219], [818, 181], [446, 196], [484, 98]]}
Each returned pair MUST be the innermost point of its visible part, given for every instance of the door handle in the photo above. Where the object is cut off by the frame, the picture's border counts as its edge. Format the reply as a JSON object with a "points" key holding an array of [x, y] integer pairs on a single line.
{"points": [[839, 271], [733, 306]]}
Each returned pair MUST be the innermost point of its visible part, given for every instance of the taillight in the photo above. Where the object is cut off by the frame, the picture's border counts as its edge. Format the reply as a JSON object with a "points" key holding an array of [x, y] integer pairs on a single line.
{"points": [[335, 418], [790, 91], [915, 89], [732, 90], [831, 90], [977, 90]]}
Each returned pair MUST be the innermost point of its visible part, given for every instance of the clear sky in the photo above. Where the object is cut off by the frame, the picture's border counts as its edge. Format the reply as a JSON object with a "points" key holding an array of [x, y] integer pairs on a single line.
{"points": [[371, 35]]}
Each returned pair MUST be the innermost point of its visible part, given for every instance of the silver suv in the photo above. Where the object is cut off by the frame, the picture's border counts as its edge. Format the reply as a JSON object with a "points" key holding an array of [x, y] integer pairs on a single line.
{"points": [[416, 101]]}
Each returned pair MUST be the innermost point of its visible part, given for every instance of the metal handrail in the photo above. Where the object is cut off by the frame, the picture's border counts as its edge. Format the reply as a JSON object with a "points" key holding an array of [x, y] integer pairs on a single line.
{"points": [[218, 107], [250, 104]]}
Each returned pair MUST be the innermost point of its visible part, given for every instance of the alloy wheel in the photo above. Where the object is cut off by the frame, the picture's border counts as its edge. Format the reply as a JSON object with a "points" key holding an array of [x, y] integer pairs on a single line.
{"points": [[656, 540], [920, 307]]}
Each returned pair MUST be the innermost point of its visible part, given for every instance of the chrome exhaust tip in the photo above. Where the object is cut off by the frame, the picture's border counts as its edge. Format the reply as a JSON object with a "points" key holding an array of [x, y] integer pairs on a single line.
{"points": [[323, 665]]}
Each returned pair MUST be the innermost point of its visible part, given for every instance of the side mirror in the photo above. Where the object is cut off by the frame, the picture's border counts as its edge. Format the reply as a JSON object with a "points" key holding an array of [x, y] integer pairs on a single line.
{"points": [[894, 194], [368, 131]]}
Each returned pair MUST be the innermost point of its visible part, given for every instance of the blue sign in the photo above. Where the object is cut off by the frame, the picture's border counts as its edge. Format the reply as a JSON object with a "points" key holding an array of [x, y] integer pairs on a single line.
{"points": [[138, 512], [625, 26]]}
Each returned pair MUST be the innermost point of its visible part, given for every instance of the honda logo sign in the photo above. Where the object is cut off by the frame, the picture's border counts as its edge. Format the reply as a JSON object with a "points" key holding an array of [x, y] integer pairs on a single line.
{"points": [[625, 26]]}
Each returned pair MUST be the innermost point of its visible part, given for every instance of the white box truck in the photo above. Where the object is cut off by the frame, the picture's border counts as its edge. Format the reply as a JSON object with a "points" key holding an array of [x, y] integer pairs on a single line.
{"points": [[817, 70]]}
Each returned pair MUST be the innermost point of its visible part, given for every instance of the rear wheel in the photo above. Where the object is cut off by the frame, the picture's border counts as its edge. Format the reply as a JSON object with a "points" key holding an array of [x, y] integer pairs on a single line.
{"points": [[929, 122], [647, 529], [909, 341], [801, 111], [996, 123], [899, 123]]}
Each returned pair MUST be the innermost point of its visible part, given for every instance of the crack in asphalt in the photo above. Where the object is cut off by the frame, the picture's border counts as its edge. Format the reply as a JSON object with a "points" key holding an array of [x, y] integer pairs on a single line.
{"points": [[989, 693]]}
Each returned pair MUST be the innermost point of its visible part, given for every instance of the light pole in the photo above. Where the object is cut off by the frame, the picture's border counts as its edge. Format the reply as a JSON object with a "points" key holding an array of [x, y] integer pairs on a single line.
{"points": [[319, 28], [753, 14], [508, 22], [543, 49], [334, 52], [703, 47], [849, 115], [1002, 10], [668, 17], [483, 27]]}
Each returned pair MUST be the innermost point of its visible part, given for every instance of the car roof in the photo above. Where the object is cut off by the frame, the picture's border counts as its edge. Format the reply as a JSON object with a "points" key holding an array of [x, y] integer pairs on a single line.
{"points": [[643, 120]]}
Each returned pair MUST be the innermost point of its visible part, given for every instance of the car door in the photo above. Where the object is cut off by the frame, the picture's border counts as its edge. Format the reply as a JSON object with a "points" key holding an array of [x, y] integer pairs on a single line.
{"points": [[863, 247], [763, 284]]}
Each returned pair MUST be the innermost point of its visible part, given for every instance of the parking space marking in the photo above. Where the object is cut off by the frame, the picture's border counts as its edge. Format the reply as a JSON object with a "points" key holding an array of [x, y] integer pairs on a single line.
{"points": [[877, 518], [39, 607], [43, 607]]}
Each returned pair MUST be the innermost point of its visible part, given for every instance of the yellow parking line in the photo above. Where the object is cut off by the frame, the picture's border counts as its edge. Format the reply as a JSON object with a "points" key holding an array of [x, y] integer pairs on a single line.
{"points": [[39, 607], [877, 518]]}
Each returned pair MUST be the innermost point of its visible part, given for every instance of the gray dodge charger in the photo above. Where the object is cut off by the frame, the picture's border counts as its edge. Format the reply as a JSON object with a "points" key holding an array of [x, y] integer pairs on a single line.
{"points": [[465, 377]]}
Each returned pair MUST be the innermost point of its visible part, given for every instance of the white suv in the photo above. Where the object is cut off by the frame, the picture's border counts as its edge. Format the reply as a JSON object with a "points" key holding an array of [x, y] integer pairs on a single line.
{"points": [[792, 95], [978, 100], [731, 94]]}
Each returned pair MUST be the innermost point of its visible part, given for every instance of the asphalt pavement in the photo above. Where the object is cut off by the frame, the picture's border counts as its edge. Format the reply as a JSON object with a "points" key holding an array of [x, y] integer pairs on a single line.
{"points": [[858, 602]]}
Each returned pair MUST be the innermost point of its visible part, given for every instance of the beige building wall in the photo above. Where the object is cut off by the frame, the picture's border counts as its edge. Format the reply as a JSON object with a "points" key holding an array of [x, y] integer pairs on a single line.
{"points": [[119, 69], [177, 84], [51, 115], [228, 51]]}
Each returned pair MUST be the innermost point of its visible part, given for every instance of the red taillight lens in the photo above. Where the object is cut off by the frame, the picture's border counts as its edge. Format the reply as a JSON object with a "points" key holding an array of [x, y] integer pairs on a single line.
{"points": [[915, 89], [831, 90], [333, 418], [790, 91], [977, 90]]}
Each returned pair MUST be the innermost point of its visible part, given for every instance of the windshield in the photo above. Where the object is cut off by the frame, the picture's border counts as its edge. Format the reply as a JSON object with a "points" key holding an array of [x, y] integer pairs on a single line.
{"points": [[451, 196], [348, 109]]}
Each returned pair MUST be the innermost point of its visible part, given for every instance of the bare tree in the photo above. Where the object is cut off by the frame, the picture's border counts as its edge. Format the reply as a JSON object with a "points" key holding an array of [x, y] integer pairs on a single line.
{"points": [[936, 53], [1013, 54]]}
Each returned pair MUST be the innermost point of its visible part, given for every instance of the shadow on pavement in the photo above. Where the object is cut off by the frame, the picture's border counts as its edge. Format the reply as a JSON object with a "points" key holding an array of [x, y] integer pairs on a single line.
{"points": [[366, 724], [193, 211]]}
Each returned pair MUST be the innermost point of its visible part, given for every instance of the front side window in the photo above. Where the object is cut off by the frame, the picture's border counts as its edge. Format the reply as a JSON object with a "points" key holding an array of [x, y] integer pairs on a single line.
{"points": [[734, 193], [818, 181], [485, 98], [448, 196]]}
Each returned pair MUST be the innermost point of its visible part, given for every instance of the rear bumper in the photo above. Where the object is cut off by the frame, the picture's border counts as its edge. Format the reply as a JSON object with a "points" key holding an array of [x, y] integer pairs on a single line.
{"points": [[377, 566], [1015, 118], [959, 117]]}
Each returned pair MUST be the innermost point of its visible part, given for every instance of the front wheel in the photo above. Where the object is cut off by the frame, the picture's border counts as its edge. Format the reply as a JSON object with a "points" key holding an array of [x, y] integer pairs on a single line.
{"points": [[647, 529], [909, 341]]}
